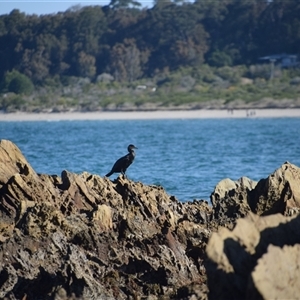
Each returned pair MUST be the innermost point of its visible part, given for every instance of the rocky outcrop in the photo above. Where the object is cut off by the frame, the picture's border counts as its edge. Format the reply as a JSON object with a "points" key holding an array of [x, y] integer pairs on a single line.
{"points": [[278, 193], [80, 236], [230, 199], [259, 259], [10, 153], [284, 282]]}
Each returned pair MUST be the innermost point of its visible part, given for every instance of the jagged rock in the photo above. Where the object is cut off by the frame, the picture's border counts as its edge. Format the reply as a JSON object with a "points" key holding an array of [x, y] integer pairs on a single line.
{"points": [[230, 198], [234, 268], [80, 236], [12, 162], [279, 193]]}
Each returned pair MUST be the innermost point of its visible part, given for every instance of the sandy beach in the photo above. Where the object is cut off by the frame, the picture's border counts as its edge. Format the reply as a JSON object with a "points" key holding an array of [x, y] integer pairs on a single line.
{"points": [[154, 115]]}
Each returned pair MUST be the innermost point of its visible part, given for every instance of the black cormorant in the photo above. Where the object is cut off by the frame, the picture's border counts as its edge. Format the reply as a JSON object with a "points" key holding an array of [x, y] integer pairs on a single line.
{"points": [[124, 162]]}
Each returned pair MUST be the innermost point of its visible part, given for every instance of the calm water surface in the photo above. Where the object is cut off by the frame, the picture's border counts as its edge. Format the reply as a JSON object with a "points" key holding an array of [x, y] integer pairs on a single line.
{"points": [[187, 157]]}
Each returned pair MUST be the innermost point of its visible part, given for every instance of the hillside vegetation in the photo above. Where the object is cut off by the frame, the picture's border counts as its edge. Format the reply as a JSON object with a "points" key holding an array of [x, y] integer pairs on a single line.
{"points": [[175, 54]]}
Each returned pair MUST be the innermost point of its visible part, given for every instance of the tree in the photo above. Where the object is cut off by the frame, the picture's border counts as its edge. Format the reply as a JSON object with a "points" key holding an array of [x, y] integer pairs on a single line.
{"points": [[240, 27], [219, 59], [175, 36], [83, 30], [17, 83], [35, 64], [126, 61], [116, 4], [86, 65], [279, 28], [131, 43]]}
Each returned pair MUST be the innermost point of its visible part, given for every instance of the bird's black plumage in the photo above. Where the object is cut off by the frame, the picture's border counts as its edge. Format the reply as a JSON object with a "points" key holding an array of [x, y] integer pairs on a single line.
{"points": [[124, 162]]}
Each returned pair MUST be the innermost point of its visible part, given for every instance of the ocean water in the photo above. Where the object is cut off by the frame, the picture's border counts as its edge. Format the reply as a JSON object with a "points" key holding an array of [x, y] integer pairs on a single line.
{"points": [[187, 157]]}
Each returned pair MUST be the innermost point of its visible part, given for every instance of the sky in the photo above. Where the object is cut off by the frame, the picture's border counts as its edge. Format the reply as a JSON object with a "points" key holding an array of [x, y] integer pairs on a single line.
{"points": [[43, 7]]}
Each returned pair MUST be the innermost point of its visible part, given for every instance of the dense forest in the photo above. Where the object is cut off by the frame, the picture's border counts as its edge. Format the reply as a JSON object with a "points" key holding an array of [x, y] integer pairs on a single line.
{"points": [[128, 43]]}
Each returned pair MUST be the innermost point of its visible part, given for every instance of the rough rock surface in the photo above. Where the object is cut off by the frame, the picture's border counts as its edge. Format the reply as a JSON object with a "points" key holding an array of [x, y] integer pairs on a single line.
{"points": [[257, 260], [230, 198], [284, 282], [81, 236], [278, 193]]}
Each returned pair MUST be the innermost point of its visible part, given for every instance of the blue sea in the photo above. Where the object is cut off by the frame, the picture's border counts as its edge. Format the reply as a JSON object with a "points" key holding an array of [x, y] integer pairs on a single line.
{"points": [[186, 157]]}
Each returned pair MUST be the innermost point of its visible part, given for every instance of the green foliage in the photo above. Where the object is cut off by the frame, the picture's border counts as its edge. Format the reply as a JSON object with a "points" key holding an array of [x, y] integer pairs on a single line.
{"points": [[186, 86], [220, 59], [190, 52], [17, 83], [132, 44], [11, 102], [260, 71], [233, 75]]}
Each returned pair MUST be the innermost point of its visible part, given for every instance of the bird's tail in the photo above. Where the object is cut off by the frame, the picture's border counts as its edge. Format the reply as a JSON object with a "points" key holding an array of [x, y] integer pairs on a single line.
{"points": [[108, 174]]}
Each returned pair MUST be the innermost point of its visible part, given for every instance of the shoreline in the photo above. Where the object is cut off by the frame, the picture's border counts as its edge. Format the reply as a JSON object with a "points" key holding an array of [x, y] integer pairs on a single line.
{"points": [[154, 115]]}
